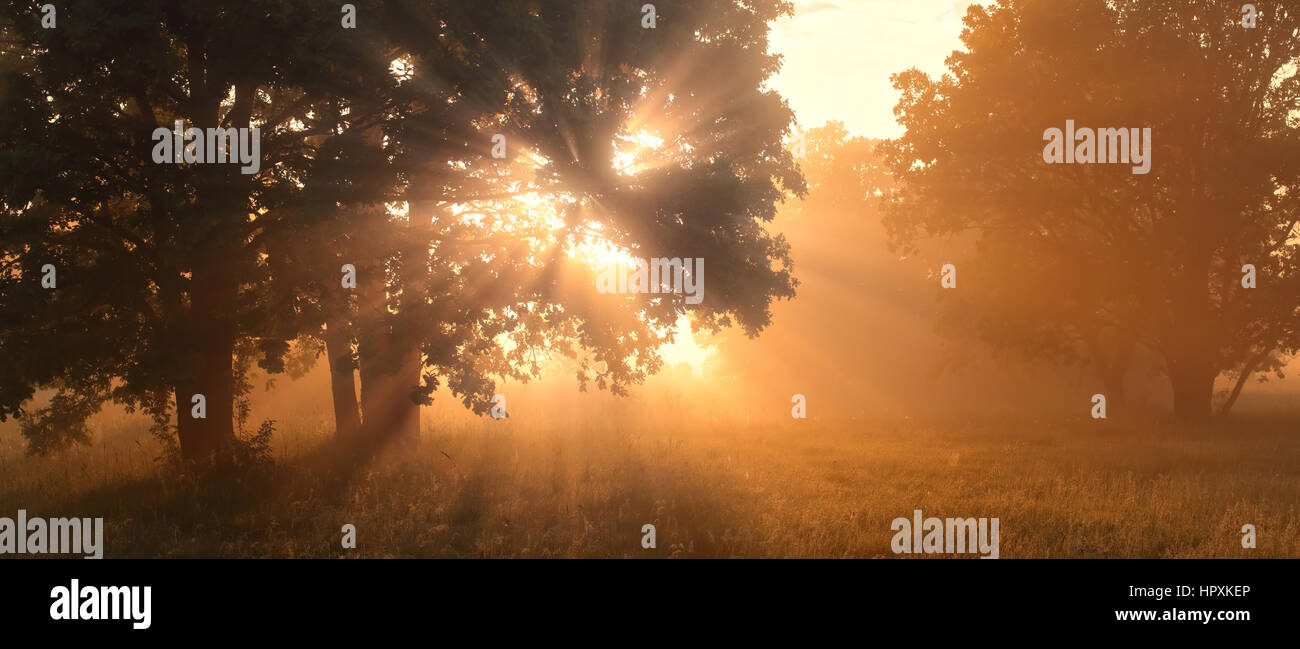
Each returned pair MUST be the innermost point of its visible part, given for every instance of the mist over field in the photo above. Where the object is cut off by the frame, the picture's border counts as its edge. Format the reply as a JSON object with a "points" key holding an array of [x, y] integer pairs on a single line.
{"points": [[707, 451], [400, 322]]}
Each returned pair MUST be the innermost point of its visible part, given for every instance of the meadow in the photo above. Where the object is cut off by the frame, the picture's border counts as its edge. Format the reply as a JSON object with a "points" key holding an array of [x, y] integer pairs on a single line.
{"points": [[712, 489]]}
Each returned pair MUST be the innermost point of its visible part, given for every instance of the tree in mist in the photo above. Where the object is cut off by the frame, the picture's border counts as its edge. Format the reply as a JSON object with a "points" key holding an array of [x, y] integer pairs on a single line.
{"points": [[660, 143], [1092, 261], [475, 283], [163, 273], [173, 278]]}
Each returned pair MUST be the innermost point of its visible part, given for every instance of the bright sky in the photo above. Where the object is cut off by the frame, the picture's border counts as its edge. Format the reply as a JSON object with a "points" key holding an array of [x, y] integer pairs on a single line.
{"points": [[839, 55], [838, 58]]}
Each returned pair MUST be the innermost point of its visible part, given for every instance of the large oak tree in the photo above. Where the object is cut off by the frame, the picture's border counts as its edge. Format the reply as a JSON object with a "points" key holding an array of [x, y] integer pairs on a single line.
{"points": [[172, 276], [1092, 259]]}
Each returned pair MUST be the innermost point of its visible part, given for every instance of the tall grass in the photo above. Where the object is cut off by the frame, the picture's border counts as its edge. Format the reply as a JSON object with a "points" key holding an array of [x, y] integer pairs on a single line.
{"points": [[797, 489]]}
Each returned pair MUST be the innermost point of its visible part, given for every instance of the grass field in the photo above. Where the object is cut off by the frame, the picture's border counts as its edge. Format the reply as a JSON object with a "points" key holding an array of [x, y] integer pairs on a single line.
{"points": [[801, 489]]}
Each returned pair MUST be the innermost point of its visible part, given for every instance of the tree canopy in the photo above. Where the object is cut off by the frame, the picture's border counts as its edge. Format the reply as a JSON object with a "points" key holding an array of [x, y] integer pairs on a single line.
{"points": [[378, 151], [1095, 261]]}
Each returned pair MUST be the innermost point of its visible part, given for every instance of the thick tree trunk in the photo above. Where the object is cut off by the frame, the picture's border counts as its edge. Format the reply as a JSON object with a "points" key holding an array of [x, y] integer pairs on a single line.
{"points": [[343, 388], [213, 291], [209, 440], [372, 338], [342, 363], [1193, 385], [1113, 370], [1194, 340]]}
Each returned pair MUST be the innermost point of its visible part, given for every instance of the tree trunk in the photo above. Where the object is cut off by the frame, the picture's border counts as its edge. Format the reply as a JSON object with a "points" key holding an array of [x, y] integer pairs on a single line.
{"points": [[388, 372], [343, 388], [372, 338], [1246, 372], [388, 363], [414, 274], [1193, 385], [1113, 370], [406, 410], [211, 439], [1191, 351], [342, 363], [211, 325]]}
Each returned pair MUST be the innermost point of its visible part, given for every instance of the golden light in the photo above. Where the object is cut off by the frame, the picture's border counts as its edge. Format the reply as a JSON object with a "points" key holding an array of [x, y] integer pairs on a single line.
{"points": [[535, 217], [685, 349], [637, 152]]}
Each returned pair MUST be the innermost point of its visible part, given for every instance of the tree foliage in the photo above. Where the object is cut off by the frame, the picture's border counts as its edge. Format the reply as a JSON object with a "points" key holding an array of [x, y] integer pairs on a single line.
{"points": [[376, 151], [1091, 260]]}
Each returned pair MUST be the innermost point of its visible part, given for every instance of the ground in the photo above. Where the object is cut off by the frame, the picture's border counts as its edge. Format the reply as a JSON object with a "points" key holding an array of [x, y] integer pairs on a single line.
{"points": [[796, 489]]}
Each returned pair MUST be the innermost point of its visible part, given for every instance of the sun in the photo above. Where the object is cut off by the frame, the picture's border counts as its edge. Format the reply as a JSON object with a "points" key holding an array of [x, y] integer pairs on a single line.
{"points": [[535, 216], [685, 349], [637, 152]]}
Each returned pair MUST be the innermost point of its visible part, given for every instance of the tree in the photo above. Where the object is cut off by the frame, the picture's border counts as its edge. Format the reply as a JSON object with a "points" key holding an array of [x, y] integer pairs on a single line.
{"points": [[483, 283], [164, 266], [1093, 260], [174, 276]]}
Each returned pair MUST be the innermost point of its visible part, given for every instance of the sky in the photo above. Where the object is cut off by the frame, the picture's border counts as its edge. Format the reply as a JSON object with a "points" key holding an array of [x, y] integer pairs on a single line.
{"points": [[839, 55]]}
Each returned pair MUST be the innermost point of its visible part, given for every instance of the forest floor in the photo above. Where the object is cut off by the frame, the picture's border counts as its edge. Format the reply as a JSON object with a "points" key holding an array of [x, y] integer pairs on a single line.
{"points": [[797, 489]]}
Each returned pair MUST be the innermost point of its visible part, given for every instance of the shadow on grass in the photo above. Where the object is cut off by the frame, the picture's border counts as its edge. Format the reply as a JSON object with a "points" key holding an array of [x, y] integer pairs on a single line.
{"points": [[453, 496]]}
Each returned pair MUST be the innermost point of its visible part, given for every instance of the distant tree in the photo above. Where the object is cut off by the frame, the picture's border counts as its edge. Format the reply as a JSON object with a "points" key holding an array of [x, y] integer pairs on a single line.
{"points": [[1091, 260]]}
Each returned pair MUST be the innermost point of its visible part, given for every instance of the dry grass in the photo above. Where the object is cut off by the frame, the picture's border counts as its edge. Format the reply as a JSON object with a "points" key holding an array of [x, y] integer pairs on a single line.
{"points": [[798, 489]]}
